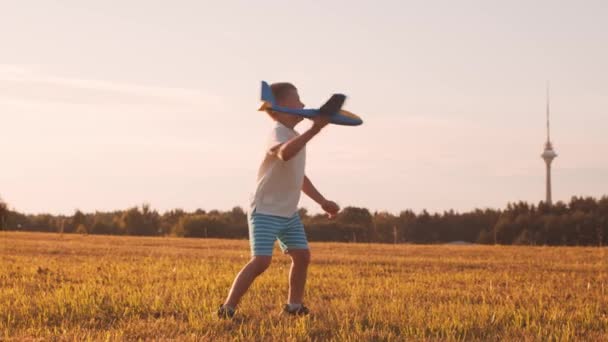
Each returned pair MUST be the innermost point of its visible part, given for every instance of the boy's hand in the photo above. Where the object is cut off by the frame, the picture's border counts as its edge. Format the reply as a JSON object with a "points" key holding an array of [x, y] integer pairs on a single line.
{"points": [[331, 208], [319, 121]]}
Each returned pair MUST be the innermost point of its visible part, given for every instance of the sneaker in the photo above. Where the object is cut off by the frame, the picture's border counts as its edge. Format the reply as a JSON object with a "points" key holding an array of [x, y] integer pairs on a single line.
{"points": [[225, 312], [302, 311]]}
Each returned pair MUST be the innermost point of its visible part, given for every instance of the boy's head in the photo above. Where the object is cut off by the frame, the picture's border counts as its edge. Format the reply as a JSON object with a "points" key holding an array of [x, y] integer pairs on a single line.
{"points": [[286, 95]]}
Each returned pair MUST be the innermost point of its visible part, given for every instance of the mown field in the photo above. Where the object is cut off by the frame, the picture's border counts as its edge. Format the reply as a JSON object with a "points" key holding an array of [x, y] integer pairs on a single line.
{"points": [[83, 287]]}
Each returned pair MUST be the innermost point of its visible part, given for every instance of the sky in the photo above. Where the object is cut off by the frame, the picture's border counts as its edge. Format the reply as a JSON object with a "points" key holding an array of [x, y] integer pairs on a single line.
{"points": [[106, 105]]}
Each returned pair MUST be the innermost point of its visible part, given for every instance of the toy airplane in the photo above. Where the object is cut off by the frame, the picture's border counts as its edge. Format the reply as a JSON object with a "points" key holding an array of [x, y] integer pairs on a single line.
{"points": [[332, 108]]}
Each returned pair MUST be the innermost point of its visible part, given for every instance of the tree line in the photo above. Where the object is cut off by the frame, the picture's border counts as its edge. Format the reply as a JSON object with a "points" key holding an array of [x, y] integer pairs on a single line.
{"points": [[581, 222]]}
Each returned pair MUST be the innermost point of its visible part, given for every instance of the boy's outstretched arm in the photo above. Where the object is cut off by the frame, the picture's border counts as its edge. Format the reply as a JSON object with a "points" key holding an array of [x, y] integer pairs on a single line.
{"points": [[309, 189], [290, 148]]}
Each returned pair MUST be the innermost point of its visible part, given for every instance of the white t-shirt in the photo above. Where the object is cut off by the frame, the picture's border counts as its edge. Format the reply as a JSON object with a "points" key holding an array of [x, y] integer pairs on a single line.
{"points": [[279, 183]]}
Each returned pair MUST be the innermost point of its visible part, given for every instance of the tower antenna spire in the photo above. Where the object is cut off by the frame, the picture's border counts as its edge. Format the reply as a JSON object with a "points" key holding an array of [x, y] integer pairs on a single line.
{"points": [[548, 110]]}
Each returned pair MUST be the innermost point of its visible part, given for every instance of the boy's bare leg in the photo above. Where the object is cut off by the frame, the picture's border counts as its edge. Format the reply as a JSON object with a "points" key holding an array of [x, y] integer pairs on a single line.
{"points": [[256, 266], [300, 258]]}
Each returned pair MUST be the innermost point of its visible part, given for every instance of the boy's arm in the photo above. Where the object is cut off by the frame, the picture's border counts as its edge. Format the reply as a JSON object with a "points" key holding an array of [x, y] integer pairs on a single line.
{"points": [[309, 189], [312, 192], [289, 149]]}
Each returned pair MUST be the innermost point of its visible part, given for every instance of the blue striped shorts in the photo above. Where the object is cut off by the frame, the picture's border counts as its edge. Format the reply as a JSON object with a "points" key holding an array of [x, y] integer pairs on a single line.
{"points": [[265, 229]]}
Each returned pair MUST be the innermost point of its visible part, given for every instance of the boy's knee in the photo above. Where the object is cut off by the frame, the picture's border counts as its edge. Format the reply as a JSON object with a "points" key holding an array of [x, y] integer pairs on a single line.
{"points": [[300, 256], [260, 263]]}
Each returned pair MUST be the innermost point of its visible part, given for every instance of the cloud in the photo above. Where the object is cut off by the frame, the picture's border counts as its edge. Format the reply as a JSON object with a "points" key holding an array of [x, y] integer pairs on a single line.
{"points": [[8, 69], [26, 85]]}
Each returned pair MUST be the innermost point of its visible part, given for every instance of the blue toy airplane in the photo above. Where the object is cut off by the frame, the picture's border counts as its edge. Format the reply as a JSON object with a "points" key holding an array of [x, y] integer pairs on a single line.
{"points": [[333, 108]]}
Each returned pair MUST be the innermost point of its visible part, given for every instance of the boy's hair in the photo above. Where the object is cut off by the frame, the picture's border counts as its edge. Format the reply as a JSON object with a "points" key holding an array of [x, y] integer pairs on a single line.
{"points": [[281, 89]]}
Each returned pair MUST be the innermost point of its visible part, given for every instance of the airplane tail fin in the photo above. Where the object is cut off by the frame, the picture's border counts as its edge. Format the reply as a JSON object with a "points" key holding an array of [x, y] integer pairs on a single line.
{"points": [[333, 105], [267, 97]]}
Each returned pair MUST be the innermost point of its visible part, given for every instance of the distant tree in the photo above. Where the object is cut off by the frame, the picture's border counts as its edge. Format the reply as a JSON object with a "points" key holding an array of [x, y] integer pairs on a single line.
{"points": [[585, 205], [506, 229], [354, 216], [208, 226], [237, 216], [303, 212], [405, 222], [169, 219], [42, 223], [140, 222], [99, 227], [485, 237], [81, 229], [77, 219], [3, 214], [581, 221], [385, 227], [104, 223], [419, 230], [524, 238]]}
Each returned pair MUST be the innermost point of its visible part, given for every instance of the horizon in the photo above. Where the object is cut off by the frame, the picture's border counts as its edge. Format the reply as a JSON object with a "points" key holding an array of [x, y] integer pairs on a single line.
{"points": [[105, 108], [312, 213]]}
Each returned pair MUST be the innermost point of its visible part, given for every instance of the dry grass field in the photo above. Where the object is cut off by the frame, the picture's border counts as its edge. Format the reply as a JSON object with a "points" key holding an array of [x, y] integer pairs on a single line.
{"points": [[83, 287]]}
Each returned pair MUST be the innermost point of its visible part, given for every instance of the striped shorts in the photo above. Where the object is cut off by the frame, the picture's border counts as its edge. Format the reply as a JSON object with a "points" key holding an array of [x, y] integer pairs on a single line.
{"points": [[265, 229]]}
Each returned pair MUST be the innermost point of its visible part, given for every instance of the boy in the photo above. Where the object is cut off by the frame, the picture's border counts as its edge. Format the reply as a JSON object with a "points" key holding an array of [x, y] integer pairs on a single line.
{"points": [[273, 214]]}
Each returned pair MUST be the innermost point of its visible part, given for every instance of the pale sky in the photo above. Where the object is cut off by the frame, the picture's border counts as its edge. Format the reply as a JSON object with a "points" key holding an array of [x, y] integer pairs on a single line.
{"points": [[109, 104]]}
